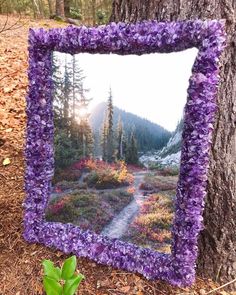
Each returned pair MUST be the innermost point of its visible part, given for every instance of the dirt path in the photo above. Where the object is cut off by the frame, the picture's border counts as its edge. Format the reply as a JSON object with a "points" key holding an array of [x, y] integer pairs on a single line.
{"points": [[119, 224]]}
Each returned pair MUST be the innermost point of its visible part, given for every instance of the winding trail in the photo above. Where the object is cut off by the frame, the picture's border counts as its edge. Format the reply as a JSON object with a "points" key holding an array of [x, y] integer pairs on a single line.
{"points": [[119, 224]]}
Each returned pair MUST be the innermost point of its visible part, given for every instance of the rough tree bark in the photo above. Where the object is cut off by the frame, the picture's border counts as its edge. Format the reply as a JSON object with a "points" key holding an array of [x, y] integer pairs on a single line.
{"points": [[217, 242], [60, 10]]}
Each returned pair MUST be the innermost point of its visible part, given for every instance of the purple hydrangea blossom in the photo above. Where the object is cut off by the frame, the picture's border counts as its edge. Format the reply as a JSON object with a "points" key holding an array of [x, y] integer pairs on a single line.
{"points": [[178, 268]]}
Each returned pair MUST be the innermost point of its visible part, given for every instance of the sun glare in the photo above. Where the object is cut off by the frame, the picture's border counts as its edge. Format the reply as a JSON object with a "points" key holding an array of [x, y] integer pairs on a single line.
{"points": [[82, 113]]}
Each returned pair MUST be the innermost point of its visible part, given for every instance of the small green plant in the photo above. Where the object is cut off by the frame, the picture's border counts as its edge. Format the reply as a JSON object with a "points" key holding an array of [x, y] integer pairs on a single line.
{"points": [[61, 281]]}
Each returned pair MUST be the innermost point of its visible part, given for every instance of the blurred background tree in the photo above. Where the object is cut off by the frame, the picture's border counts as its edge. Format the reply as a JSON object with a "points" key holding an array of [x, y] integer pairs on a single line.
{"points": [[88, 12]]}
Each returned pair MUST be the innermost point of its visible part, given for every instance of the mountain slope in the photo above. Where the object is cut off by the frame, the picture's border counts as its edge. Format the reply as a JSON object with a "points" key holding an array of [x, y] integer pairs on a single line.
{"points": [[150, 136], [170, 154], [174, 144]]}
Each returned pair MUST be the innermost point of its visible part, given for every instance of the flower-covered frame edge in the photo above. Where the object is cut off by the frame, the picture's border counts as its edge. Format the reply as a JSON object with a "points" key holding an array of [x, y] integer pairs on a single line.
{"points": [[208, 37]]}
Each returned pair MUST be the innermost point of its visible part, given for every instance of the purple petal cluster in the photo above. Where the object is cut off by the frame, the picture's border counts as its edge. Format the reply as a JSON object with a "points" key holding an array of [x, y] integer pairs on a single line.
{"points": [[178, 268]]}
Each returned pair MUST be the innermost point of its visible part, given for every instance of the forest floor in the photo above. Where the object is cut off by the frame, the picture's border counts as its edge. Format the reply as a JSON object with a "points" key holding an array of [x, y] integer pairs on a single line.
{"points": [[20, 262]]}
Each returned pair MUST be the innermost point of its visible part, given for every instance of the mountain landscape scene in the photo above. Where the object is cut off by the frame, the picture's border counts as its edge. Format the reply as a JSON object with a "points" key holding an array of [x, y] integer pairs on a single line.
{"points": [[115, 171], [149, 136]]}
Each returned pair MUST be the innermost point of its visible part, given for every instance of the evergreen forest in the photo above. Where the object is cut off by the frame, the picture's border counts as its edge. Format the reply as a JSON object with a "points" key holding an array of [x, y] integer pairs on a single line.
{"points": [[106, 132]]}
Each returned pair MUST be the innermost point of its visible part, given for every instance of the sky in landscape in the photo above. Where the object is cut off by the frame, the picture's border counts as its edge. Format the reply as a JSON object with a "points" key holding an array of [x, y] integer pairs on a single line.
{"points": [[152, 86]]}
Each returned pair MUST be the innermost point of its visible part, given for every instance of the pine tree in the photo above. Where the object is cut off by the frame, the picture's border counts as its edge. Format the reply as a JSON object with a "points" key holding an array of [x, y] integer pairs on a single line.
{"points": [[89, 139], [71, 107], [77, 89], [61, 93], [67, 90], [125, 145], [77, 84], [110, 132], [85, 134], [85, 138], [97, 145], [104, 138], [132, 150], [58, 94], [120, 139]]}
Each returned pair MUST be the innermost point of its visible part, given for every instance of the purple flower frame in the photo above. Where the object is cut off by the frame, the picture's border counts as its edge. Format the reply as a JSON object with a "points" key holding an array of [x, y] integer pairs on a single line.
{"points": [[178, 268]]}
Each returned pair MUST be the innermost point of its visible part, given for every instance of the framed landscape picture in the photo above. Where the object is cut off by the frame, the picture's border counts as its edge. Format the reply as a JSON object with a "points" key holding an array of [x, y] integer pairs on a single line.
{"points": [[118, 136]]}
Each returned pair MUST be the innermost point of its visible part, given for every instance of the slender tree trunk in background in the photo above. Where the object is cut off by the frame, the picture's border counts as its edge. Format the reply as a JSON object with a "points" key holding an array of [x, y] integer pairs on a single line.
{"points": [[67, 7], [82, 10], [36, 9], [217, 242], [50, 7], [94, 12], [41, 5], [60, 8]]}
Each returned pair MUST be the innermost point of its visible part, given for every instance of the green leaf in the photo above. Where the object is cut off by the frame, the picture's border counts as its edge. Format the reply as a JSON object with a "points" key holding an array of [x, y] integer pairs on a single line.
{"points": [[51, 286], [72, 285], [68, 268], [51, 271], [58, 271]]}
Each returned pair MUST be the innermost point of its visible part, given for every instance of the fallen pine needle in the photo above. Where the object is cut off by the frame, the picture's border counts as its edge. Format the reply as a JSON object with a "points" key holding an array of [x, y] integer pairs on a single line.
{"points": [[221, 287]]}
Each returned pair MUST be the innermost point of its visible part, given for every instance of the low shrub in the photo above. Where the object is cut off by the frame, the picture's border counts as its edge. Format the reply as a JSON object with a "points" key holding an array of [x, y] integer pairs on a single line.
{"points": [[67, 174], [88, 210], [169, 171], [108, 179], [101, 175], [90, 164], [146, 186], [92, 178], [157, 183], [62, 210], [117, 199], [136, 167], [152, 226], [81, 164], [107, 176], [164, 170], [66, 185]]}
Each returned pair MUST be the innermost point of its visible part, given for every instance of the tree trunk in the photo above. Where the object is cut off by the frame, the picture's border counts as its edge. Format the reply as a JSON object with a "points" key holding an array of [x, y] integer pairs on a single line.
{"points": [[60, 8], [67, 7], [94, 12], [50, 7], [36, 9], [41, 8], [217, 242]]}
